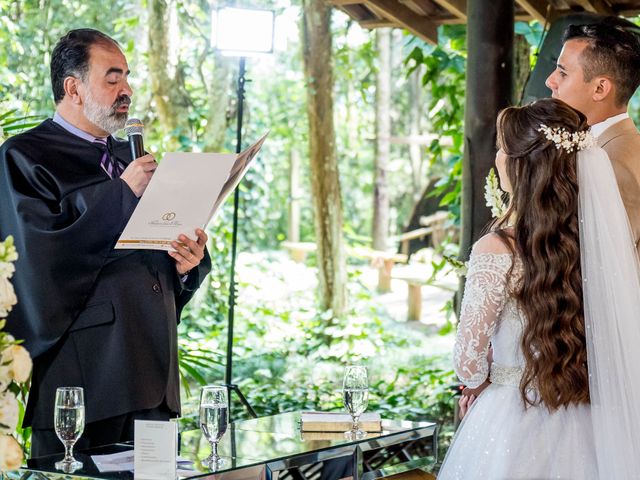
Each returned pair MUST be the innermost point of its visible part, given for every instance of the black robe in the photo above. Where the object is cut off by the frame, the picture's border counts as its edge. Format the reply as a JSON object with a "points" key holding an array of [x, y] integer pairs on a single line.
{"points": [[89, 315]]}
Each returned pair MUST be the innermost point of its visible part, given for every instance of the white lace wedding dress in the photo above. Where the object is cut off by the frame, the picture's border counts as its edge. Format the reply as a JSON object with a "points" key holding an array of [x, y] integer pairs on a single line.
{"points": [[500, 439]]}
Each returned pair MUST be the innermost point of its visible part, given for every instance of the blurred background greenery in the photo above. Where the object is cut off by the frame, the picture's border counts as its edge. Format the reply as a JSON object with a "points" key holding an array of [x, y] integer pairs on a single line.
{"points": [[289, 350]]}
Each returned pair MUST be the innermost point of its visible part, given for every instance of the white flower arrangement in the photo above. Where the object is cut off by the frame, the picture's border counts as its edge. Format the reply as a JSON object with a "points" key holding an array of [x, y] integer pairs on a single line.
{"points": [[493, 195], [567, 140], [15, 365]]}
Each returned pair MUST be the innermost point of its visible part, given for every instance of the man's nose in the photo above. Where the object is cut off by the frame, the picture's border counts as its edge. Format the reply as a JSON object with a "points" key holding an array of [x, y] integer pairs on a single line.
{"points": [[550, 81], [126, 89]]}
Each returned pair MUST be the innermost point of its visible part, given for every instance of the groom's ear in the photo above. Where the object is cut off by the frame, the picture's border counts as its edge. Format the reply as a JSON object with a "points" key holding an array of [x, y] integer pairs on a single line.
{"points": [[603, 89]]}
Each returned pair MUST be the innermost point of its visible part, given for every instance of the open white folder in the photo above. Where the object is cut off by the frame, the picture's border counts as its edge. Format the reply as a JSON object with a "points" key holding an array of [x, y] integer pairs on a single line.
{"points": [[185, 193]]}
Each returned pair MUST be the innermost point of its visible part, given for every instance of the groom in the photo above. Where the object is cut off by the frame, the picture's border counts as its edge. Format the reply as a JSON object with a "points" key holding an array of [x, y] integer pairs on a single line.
{"points": [[597, 73]]}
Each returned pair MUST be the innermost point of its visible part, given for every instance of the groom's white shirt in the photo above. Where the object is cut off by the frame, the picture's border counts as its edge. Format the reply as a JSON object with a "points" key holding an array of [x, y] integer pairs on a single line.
{"points": [[598, 128]]}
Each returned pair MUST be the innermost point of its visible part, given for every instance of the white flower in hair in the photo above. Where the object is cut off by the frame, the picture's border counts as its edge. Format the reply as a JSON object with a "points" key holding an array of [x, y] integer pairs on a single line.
{"points": [[567, 140]]}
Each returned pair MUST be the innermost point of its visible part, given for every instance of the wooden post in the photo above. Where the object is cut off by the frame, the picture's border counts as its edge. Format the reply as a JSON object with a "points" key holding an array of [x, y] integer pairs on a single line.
{"points": [[384, 275], [294, 201], [414, 302], [489, 89]]}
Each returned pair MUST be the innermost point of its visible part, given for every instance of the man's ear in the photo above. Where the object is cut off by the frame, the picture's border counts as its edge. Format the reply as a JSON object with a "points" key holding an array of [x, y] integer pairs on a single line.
{"points": [[72, 85], [603, 89]]}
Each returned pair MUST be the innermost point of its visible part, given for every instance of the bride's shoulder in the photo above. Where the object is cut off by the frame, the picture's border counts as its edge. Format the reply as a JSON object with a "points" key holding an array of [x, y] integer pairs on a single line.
{"points": [[492, 244], [491, 253], [493, 256]]}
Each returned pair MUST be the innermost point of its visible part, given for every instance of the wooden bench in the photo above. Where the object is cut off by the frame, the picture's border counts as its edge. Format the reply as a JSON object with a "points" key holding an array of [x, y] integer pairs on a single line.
{"points": [[383, 261], [431, 225], [436, 222], [406, 237], [298, 250], [415, 277]]}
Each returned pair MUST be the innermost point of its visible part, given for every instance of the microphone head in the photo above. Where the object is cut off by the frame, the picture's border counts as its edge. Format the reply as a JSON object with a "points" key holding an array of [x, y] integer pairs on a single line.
{"points": [[133, 127]]}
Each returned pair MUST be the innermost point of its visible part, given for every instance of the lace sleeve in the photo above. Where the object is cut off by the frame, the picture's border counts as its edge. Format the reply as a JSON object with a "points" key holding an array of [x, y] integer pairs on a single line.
{"points": [[484, 297]]}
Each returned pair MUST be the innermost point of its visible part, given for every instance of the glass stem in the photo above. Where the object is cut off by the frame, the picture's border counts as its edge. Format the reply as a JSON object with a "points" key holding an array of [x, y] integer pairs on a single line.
{"points": [[356, 426], [214, 450], [68, 454]]}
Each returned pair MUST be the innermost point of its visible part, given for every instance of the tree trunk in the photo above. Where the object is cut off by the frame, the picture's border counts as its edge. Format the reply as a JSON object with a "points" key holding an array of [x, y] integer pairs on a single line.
{"points": [[325, 182], [489, 89], [521, 65], [167, 88], [218, 104], [416, 106], [383, 134]]}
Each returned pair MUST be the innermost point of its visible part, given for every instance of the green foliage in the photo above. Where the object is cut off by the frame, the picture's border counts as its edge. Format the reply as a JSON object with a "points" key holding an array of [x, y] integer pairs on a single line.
{"points": [[634, 103], [28, 32], [444, 80], [534, 33], [354, 111], [197, 362], [11, 122], [288, 355]]}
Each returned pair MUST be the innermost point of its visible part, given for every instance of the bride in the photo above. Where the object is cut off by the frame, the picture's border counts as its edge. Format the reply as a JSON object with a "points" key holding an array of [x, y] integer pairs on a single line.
{"points": [[554, 291]]}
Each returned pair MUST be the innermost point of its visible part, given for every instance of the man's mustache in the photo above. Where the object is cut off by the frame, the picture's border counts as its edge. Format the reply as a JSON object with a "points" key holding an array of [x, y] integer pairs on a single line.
{"points": [[120, 101]]}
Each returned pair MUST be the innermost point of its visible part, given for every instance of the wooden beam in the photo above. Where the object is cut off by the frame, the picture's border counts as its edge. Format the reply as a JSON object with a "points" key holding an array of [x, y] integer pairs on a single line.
{"points": [[342, 3], [425, 139], [629, 12], [377, 23], [422, 7], [457, 8], [406, 18], [522, 17], [596, 6], [538, 9]]}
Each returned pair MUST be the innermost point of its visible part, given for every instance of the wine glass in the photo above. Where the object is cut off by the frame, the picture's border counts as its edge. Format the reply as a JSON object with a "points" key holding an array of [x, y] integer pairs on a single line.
{"points": [[356, 397], [69, 424], [214, 418]]}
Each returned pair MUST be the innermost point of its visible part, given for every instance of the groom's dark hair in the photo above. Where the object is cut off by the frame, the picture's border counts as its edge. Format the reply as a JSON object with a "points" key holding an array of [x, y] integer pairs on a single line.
{"points": [[613, 51]]}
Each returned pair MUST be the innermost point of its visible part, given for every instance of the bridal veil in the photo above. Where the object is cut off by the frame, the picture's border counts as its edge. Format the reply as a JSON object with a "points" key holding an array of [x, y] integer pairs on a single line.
{"points": [[611, 290]]}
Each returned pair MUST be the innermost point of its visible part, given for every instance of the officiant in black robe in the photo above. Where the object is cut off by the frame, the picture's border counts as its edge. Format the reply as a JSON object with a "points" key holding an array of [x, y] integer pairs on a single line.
{"points": [[91, 316]]}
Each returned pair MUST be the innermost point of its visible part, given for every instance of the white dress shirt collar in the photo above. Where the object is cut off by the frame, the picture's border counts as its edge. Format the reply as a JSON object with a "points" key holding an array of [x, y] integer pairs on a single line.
{"points": [[599, 128]]}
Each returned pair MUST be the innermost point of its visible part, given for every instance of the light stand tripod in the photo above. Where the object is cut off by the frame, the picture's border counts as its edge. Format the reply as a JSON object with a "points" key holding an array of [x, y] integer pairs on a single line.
{"points": [[228, 377]]}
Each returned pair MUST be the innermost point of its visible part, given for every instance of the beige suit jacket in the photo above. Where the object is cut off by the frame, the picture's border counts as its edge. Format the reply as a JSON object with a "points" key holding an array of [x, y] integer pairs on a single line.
{"points": [[621, 141]]}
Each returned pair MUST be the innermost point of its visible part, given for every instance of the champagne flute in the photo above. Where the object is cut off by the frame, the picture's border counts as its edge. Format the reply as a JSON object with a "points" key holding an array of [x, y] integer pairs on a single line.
{"points": [[214, 418], [356, 397], [69, 424]]}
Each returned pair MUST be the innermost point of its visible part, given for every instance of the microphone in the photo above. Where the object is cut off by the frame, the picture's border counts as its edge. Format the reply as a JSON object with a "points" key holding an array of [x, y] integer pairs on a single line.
{"points": [[133, 128]]}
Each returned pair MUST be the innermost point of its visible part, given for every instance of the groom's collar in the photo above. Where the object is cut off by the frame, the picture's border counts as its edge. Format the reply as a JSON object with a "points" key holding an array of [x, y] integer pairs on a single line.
{"points": [[599, 128]]}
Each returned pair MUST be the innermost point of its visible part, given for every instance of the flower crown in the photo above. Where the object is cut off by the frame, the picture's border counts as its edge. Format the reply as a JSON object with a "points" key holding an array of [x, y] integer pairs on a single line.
{"points": [[567, 140]]}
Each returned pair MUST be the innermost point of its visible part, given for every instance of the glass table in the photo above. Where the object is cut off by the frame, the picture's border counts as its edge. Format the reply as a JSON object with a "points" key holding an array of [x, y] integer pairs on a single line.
{"points": [[261, 448]]}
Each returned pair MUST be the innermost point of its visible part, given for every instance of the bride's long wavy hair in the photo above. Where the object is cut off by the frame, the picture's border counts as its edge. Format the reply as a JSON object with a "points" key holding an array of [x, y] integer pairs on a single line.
{"points": [[543, 211]]}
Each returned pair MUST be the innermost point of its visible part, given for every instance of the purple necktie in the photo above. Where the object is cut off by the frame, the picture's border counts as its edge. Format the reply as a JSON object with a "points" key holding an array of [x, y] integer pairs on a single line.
{"points": [[109, 163]]}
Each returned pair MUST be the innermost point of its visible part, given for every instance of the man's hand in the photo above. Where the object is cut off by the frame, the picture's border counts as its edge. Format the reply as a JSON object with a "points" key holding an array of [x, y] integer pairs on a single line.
{"points": [[138, 174], [469, 396], [188, 252]]}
